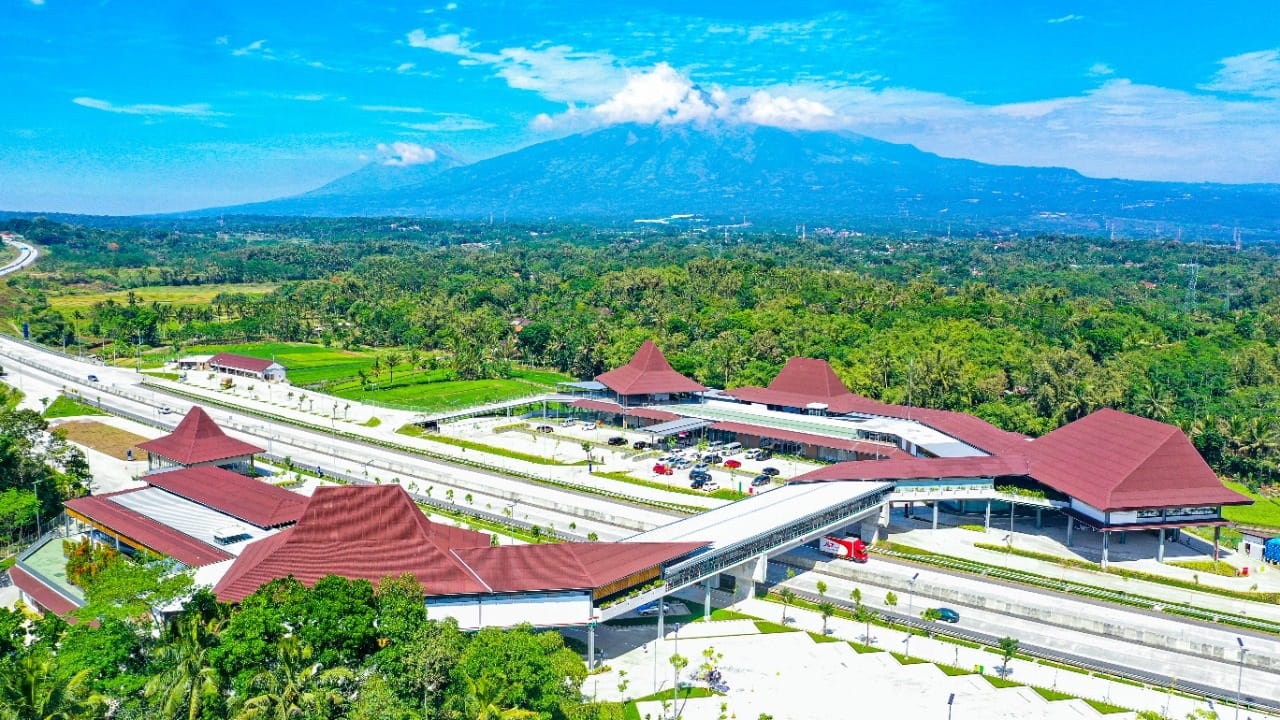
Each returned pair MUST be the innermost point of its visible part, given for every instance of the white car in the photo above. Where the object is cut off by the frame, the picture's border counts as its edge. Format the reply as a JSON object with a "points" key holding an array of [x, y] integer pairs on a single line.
{"points": [[711, 486], [652, 609]]}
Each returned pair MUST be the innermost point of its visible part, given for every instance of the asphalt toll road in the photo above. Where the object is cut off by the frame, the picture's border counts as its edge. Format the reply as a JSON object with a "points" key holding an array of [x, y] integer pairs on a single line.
{"points": [[1166, 665]]}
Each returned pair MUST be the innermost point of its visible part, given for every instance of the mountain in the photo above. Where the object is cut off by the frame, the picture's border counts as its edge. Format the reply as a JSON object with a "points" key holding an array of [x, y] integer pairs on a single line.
{"points": [[780, 177]]}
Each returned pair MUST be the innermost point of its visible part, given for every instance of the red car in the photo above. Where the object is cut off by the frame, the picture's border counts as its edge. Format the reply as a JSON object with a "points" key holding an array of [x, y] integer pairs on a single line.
{"points": [[663, 469], [732, 464]]}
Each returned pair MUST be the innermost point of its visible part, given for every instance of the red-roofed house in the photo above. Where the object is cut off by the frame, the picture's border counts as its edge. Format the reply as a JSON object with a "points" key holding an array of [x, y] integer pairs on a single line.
{"points": [[246, 366], [648, 378], [198, 441]]}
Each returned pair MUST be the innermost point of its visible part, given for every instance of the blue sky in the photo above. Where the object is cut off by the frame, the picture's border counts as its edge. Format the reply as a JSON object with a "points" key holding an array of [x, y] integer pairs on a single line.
{"points": [[132, 107]]}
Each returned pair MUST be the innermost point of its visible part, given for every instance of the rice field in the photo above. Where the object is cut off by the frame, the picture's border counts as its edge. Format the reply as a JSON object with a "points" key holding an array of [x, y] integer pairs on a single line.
{"points": [[106, 439], [170, 294]]}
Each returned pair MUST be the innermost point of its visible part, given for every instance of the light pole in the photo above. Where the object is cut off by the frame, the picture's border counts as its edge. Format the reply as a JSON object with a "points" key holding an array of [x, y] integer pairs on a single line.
{"points": [[675, 668], [35, 487], [911, 614], [1240, 676], [950, 701]]}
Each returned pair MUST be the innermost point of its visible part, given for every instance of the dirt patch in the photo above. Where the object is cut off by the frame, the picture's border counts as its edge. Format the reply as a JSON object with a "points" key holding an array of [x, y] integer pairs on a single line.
{"points": [[104, 438]]}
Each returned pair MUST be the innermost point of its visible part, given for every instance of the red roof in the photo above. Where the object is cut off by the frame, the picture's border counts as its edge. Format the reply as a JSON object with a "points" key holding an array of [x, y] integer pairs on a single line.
{"points": [[240, 362], [198, 439], [804, 381], [912, 468], [652, 414], [253, 501], [357, 532], [598, 406], [648, 373], [49, 598], [1117, 461], [567, 566], [144, 531], [804, 438]]}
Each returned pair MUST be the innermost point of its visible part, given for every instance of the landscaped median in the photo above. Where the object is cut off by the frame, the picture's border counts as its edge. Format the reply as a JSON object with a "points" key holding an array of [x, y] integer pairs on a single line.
{"points": [[420, 452]]}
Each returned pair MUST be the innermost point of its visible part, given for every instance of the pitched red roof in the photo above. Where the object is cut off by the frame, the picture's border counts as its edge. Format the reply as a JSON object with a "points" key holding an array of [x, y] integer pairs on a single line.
{"points": [[598, 406], [198, 439], [240, 362], [1117, 461], [652, 414], [357, 532], [648, 373], [144, 531], [887, 451], [912, 468], [49, 598], [567, 566], [253, 501]]}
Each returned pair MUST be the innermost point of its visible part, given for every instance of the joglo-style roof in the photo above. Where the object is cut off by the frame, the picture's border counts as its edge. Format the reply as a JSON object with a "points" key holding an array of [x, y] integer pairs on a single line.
{"points": [[648, 373], [369, 532], [242, 362], [198, 439], [253, 501]]}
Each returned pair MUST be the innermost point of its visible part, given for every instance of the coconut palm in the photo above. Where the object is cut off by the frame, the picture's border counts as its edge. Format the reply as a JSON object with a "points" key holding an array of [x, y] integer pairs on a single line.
{"points": [[188, 682], [295, 685], [30, 690], [487, 699]]}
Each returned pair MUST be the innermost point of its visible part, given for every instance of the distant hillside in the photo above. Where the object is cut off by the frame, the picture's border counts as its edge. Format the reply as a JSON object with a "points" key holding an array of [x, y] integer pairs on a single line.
{"points": [[779, 177]]}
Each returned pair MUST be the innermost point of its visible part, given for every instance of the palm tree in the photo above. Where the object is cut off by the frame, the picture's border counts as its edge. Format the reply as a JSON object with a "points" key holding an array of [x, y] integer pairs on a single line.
{"points": [[787, 595], [30, 690], [392, 359], [189, 682], [295, 686], [827, 609], [486, 699]]}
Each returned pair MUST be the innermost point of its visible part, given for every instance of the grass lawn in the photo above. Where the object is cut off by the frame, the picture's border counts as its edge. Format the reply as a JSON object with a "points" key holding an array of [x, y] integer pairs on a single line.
{"points": [[430, 390], [1263, 511], [63, 406], [306, 363], [174, 294], [104, 438]]}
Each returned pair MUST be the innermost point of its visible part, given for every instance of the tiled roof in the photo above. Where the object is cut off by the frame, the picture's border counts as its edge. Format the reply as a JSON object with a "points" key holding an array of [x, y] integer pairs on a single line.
{"points": [[240, 362], [49, 599], [364, 532], [912, 468], [145, 531], [598, 406], [198, 439], [256, 502], [1117, 461], [567, 566], [648, 373], [652, 414], [886, 451]]}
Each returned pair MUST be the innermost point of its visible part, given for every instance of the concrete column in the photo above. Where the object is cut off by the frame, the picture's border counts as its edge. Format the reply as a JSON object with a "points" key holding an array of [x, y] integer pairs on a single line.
{"points": [[1160, 547], [1071, 524], [1217, 540], [591, 645], [935, 514], [661, 618], [869, 531], [706, 600], [986, 522], [1106, 546], [1039, 518]]}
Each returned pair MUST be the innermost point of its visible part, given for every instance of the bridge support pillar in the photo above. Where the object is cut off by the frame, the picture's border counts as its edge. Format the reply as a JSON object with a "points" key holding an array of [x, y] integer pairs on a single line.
{"points": [[1039, 518], [935, 514], [1160, 547], [591, 645], [706, 599], [1106, 547], [1071, 524], [661, 618], [986, 522], [869, 531]]}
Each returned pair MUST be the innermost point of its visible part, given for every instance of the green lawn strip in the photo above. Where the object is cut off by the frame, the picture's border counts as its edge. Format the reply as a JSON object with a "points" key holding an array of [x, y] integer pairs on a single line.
{"points": [[165, 375], [372, 422], [766, 627], [630, 711], [1045, 557], [1119, 597], [375, 442], [1105, 708], [684, 693], [862, 649], [1001, 682], [1053, 695], [724, 614], [63, 406], [820, 638], [953, 671], [481, 447], [1213, 567], [907, 659], [629, 478], [476, 523]]}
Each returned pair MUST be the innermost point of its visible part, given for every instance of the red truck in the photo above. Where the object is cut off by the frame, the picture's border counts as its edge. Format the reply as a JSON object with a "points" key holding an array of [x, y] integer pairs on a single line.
{"points": [[849, 548]]}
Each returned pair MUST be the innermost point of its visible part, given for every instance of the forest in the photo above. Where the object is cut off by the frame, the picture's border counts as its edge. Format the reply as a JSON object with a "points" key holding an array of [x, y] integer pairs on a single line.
{"points": [[1026, 332]]}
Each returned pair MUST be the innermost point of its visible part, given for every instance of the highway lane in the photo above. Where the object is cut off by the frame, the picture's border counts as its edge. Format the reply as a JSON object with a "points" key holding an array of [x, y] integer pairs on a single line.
{"points": [[27, 255]]}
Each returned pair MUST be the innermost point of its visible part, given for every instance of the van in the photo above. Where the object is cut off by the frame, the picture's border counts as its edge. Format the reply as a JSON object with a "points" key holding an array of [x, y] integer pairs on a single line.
{"points": [[731, 448]]}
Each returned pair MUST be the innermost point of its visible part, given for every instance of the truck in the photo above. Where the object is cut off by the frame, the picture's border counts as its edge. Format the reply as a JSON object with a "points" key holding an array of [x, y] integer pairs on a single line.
{"points": [[849, 548]]}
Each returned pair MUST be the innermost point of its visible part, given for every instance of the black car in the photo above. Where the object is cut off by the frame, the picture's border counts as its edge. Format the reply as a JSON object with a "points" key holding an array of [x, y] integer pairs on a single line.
{"points": [[698, 478], [639, 445], [617, 440], [771, 471], [545, 428], [712, 459], [761, 479], [947, 615], [764, 454]]}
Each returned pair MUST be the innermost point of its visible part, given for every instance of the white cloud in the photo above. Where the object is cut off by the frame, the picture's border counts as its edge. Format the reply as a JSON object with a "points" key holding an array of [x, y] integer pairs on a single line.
{"points": [[193, 110], [660, 95], [449, 123], [763, 108], [451, 6], [450, 43], [405, 67], [1252, 73], [1065, 18], [257, 47], [403, 154], [392, 109], [309, 97], [37, 2], [1101, 70]]}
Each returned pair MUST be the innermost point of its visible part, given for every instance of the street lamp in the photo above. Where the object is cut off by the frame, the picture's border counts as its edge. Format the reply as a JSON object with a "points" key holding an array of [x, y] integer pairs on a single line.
{"points": [[911, 613], [951, 700], [1240, 676], [675, 669]]}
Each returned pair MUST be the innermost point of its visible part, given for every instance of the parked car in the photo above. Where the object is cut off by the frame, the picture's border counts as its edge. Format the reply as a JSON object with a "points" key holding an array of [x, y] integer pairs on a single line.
{"points": [[711, 486], [639, 445], [545, 428], [731, 463], [752, 454], [712, 459], [761, 479], [731, 448], [662, 469], [617, 440], [764, 454], [771, 471], [947, 615], [568, 422], [682, 464], [698, 478], [701, 466], [654, 608]]}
